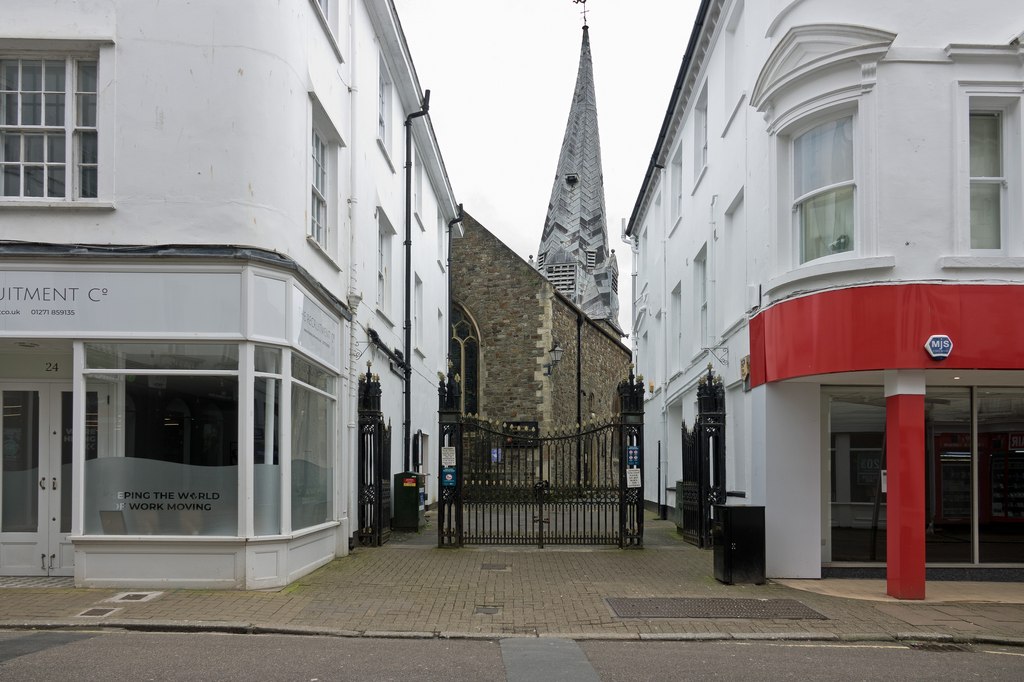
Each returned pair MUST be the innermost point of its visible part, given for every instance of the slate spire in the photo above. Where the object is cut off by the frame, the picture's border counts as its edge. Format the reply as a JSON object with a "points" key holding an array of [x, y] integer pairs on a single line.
{"points": [[573, 251]]}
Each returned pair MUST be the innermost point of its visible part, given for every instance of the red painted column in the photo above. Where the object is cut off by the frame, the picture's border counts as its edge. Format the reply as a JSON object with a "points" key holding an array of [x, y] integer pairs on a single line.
{"points": [[905, 503]]}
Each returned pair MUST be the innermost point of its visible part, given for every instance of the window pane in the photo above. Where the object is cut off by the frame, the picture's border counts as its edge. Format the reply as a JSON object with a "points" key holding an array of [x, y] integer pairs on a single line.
{"points": [[10, 147], [34, 148], [87, 76], [266, 447], [948, 499], [826, 223], [55, 181], [55, 149], [268, 360], [856, 458], [34, 179], [87, 147], [308, 373], [20, 472], [32, 76], [1001, 475], [54, 110], [198, 356], [9, 74], [54, 75], [9, 109], [86, 111], [167, 457], [986, 154], [31, 110], [985, 215], [12, 181], [823, 156], [88, 184], [312, 458]]}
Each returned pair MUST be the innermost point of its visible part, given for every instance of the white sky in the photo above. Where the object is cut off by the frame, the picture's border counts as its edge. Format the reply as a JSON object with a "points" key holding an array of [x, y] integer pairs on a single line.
{"points": [[501, 78]]}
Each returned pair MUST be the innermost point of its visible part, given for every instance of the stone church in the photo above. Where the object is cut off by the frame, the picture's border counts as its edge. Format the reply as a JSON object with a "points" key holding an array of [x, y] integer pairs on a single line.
{"points": [[538, 344]]}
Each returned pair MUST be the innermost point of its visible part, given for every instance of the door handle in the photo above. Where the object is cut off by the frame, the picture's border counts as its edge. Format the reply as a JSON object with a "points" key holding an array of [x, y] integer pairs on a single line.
{"points": [[52, 557], [42, 561], [54, 482], [42, 486]]}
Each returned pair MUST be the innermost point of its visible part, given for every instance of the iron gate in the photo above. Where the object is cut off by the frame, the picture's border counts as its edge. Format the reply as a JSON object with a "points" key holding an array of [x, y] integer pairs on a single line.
{"points": [[703, 454], [374, 465], [509, 484]]}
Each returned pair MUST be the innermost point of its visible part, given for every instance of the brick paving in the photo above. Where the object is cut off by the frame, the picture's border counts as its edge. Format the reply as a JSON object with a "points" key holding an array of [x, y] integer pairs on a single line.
{"points": [[409, 588]]}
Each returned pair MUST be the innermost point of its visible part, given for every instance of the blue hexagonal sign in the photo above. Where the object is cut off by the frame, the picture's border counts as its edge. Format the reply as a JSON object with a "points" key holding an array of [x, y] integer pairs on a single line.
{"points": [[939, 346]]}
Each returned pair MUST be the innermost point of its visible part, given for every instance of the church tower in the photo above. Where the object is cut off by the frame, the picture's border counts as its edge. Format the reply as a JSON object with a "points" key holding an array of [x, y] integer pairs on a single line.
{"points": [[573, 251]]}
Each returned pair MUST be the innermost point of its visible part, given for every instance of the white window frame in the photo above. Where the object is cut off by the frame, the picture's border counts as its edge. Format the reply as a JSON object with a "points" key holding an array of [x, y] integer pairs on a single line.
{"points": [[676, 178], [323, 181], [797, 202], [385, 255], [441, 251], [701, 297], [385, 98], [75, 128], [700, 135], [320, 171], [1006, 101], [417, 313]]}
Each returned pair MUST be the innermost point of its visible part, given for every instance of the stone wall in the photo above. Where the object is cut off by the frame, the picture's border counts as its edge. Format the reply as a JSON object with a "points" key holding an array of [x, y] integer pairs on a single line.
{"points": [[520, 315]]}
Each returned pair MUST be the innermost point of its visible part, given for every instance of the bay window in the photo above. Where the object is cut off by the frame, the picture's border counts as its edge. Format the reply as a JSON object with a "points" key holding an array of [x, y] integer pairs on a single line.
{"points": [[823, 188]]}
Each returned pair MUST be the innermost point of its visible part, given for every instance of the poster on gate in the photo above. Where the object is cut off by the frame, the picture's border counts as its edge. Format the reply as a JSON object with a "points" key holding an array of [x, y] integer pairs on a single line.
{"points": [[632, 478]]}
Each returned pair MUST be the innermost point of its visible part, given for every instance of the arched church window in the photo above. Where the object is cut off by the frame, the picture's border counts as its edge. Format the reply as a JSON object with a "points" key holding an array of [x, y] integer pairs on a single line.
{"points": [[464, 351]]}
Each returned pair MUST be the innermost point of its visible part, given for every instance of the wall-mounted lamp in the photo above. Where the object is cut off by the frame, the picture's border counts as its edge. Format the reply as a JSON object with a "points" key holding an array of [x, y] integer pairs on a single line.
{"points": [[555, 353]]}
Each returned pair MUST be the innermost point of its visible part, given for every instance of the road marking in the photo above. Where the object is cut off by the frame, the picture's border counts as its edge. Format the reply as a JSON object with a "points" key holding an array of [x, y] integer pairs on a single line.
{"points": [[1004, 653]]}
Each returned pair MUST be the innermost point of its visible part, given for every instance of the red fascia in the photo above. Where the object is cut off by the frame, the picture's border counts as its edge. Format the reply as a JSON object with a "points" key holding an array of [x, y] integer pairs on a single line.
{"points": [[886, 327]]}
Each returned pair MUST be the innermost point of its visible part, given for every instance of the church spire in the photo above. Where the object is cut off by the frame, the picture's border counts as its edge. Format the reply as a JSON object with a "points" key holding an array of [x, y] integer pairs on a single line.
{"points": [[573, 251]]}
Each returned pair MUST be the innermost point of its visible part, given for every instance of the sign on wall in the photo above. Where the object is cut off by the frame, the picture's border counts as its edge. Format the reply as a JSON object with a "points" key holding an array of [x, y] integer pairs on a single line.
{"points": [[316, 331], [36, 302]]}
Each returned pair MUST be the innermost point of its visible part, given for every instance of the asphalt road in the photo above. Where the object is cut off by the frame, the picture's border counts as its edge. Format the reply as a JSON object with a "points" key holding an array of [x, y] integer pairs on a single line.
{"points": [[106, 655]]}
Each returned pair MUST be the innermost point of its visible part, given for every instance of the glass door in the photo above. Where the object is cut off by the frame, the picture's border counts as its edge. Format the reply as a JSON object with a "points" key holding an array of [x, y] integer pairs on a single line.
{"points": [[35, 480]]}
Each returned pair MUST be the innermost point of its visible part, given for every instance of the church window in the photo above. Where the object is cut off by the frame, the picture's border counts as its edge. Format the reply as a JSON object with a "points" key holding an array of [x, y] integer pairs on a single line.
{"points": [[464, 352], [591, 259], [563, 276]]}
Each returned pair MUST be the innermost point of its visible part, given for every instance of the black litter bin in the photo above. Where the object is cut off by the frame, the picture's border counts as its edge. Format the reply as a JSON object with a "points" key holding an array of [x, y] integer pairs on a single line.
{"points": [[409, 494], [738, 535]]}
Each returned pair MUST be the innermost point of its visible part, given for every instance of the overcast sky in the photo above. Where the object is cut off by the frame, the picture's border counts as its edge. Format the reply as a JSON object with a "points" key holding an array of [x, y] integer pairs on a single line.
{"points": [[501, 78]]}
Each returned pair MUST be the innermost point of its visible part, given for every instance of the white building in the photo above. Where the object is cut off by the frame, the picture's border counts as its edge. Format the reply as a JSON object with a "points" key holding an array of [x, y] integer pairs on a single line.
{"points": [[202, 215], [834, 185]]}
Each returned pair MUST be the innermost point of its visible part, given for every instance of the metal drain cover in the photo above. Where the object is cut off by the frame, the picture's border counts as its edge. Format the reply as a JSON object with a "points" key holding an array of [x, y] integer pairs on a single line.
{"points": [[487, 610], [691, 607], [495, 567], [134, 597], [97, 613]]}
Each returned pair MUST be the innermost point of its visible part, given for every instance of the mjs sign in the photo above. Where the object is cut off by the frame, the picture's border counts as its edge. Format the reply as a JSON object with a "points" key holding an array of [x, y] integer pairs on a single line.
{"points": [[939, 346]]}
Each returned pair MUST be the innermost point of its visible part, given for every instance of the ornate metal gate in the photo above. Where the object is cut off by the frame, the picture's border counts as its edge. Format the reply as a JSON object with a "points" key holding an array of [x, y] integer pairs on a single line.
{"points": [[509, 484], [703, 452], [374, 465]]}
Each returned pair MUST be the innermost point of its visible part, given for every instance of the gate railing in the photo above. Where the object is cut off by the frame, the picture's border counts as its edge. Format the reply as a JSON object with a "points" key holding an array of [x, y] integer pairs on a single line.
{"points": [[703, 455], [507, 484], [374, 493]]}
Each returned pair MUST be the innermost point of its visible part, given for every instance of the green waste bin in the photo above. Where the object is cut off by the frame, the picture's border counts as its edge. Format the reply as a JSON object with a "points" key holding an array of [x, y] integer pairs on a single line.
{"points": [[410, 498]]}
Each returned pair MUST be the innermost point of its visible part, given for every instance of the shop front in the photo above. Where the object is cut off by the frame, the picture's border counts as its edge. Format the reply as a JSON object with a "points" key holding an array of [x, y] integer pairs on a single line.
{"points": [[916, 457], [169, 426]]}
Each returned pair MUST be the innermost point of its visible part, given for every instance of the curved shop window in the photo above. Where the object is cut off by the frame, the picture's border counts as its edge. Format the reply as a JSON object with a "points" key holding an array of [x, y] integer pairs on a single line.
{"points": [[166, 461]]}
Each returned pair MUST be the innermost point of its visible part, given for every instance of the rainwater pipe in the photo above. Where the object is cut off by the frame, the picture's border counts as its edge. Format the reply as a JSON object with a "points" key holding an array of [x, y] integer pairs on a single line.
{"points": [[407, 360]]}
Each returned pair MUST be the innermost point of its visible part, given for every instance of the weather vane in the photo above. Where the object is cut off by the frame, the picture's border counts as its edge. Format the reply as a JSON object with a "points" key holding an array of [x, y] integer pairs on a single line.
{"points": [[585, 10]]}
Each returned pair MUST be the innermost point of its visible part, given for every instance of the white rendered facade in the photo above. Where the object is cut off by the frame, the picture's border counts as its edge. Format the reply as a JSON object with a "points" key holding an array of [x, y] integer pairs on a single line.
{"points": [[814, 169], [213, 229]]}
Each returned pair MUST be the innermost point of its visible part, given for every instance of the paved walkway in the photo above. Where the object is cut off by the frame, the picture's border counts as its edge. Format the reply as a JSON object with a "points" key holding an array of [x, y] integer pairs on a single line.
{"points": [[409, 588]]}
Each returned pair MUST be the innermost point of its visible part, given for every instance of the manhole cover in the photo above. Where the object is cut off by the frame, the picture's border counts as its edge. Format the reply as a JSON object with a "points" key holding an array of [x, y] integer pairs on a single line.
{"points": [[97, 613], [690, 607], [495, 567], [134, 596]]}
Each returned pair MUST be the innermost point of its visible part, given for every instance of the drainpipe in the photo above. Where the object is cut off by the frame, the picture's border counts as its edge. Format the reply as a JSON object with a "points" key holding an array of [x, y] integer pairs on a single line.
{"points": [[407, 416]]}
